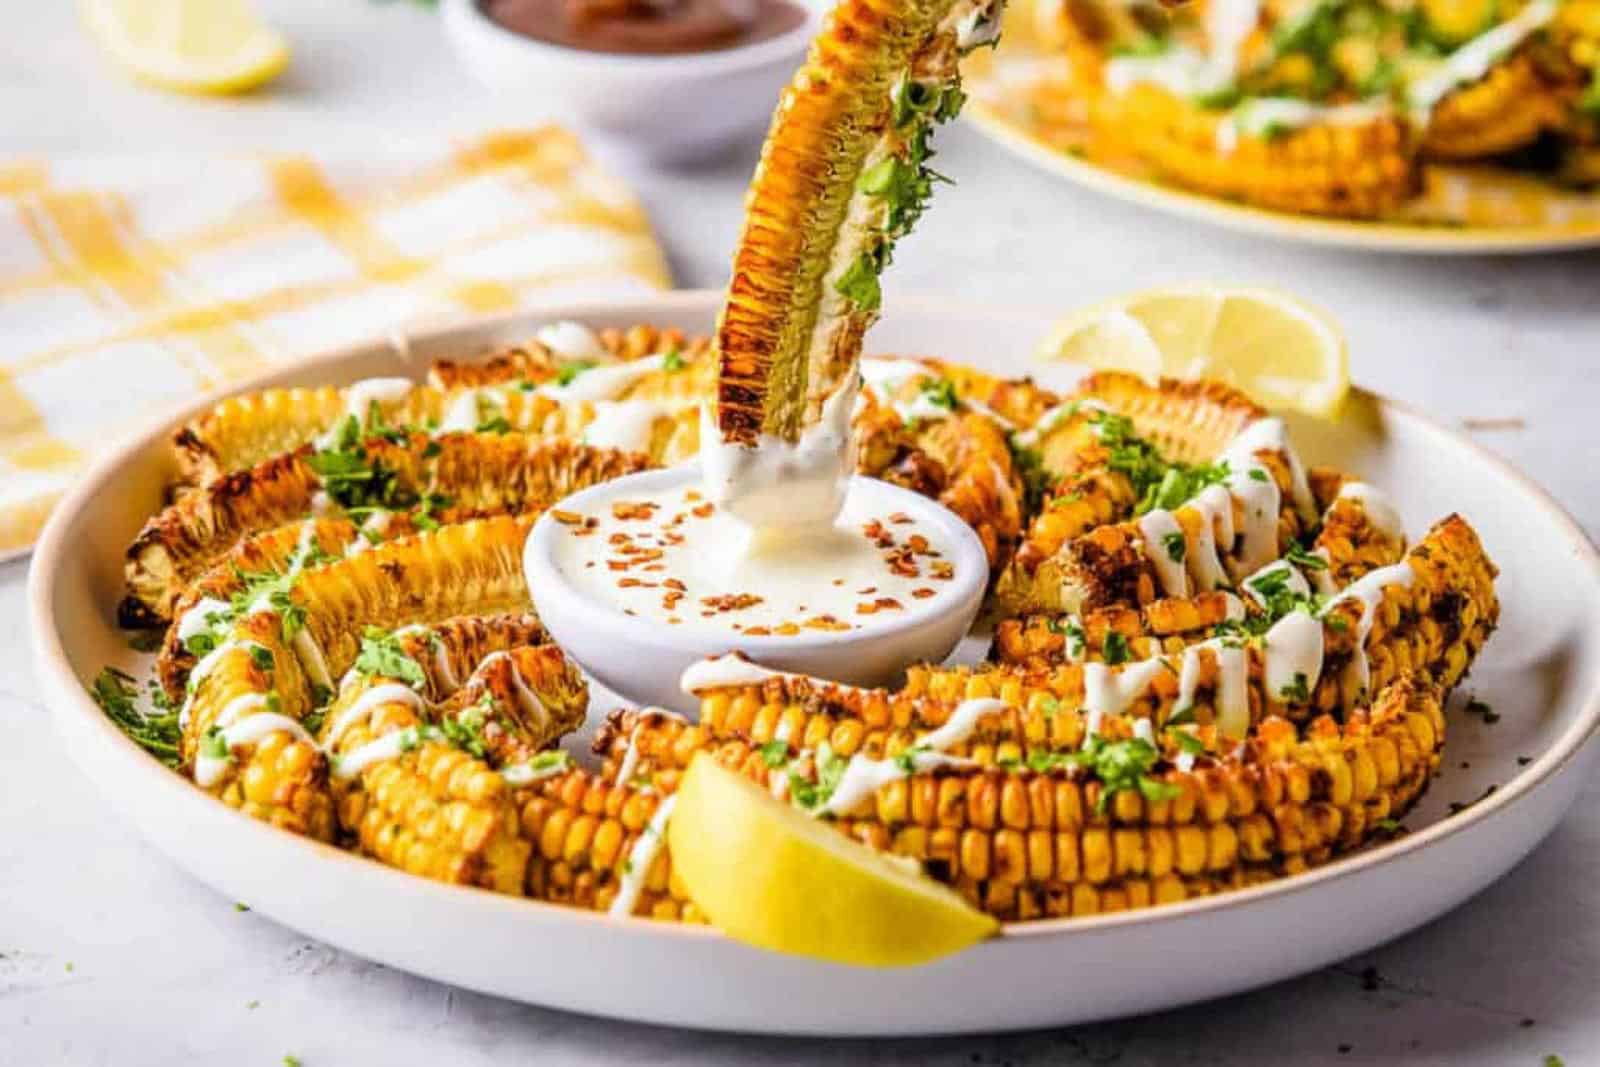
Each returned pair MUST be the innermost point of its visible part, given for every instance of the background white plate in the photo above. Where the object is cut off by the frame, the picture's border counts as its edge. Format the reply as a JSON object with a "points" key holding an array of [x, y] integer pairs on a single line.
{"points": [[1541, 672]]}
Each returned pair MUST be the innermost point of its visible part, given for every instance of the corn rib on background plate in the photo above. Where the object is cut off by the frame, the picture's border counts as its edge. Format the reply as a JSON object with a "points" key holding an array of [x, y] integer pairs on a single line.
{"points": [[1541, 672], [1001, 83]]}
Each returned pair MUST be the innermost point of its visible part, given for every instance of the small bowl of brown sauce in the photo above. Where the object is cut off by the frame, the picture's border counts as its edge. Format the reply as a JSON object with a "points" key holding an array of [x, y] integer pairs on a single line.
{"points": [[667, 79]]}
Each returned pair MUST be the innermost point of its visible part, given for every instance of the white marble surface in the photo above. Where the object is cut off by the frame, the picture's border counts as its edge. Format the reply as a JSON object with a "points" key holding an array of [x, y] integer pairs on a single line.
{"points": [[108, 954]]}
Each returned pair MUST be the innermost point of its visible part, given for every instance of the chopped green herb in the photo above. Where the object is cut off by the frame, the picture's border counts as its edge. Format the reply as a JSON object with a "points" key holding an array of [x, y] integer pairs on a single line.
{"points": [[1186, 741], [494, 424], [1175, 546], [941, 393], [146, 640], [261, 656], [813, 796], [240, 906], [1303, 558], [117, 695], [213, 745], [383, 656], [1388, 826], [465, 730], [1115, 648], [775, 753], [1120, 766], [1298, 691], [568, 371], [199, 644], [1479, 708], [906, 759], [1260, 475], [859, 283], [673, 362]]}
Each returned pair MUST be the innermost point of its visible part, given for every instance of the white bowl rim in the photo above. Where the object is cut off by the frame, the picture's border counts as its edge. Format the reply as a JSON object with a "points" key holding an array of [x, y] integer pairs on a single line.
{"points": [[720, 61], [60, 681], [961, 590]]}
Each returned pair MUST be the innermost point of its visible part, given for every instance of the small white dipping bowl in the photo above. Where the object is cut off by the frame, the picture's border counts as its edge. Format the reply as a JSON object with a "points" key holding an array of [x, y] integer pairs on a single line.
{"points": [[667, 108], [643, 659]]}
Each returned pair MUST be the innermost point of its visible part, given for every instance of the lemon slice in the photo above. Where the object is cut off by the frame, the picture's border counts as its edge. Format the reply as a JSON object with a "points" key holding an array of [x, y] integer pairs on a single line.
{"points": [[772, 876], [1281, 351], [193, 46]]}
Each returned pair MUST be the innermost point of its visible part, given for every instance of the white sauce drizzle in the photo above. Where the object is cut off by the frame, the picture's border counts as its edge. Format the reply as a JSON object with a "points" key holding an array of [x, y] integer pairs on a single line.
{"points": [[1368, 591], [387, 747], [1472, 61], [1292, 650], [571, 339], [1108, 692], [624, 424], [732, 670], [1155, 528], [193, 622], [358, 400], [640, 859], [606, 382], [1380, 510], [863, 777], [630, 757], [362, 707], [1262, 116]]}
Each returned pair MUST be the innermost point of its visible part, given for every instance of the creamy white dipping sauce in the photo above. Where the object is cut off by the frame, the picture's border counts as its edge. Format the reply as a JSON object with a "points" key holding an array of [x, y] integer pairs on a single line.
{"points": [[1265, 115], [677, 558]]}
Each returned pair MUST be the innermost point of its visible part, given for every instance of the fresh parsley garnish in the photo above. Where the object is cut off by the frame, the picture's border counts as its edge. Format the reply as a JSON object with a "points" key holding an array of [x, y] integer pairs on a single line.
{"points": [[117, 694], [1115, 649], [383, 656], [775, 753], [1175, 546], [941, 393], [568, 371], [811, 796], [1120, 766], [673, 362]]}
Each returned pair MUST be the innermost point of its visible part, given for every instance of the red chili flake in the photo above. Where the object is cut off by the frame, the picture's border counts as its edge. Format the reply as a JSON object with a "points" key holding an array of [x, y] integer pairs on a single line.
{"points": [[591, 523], [731, 601], [787, 629], [868, 590], [673, 583], [944, 571], [703, 511], [838, 581], [619, 538], [866, 608], [656, 567], [757, 631], [566, 518], [889, 603], [922, 593], [632, 509], [629, 583], [900, 518], [918, 543], [618, 564]]}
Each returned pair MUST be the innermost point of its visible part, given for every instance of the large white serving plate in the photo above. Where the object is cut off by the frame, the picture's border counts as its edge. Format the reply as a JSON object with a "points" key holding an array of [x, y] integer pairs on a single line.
{"points": [[1541, 672]]}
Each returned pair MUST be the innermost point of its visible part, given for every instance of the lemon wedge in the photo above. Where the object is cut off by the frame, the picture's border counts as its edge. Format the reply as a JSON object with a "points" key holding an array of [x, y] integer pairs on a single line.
{"points": [[768, 874], [192, 46], [1284, 353]]}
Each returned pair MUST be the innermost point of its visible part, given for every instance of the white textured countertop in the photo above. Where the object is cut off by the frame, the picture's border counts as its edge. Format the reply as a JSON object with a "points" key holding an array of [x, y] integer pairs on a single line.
{"points": [[109, 954]]}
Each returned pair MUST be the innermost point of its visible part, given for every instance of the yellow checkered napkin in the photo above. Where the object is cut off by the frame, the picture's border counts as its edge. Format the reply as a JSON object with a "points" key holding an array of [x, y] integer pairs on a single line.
{"points": [[131, 284]]}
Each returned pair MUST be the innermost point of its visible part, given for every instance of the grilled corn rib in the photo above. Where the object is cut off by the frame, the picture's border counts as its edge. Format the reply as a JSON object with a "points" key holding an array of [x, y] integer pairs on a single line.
{"points": [[1021, 843], [1357, 171], [535, 363], [1508, 109], [243, 430], [841, 177], [432, 800], [472, 474], [243, 736]]}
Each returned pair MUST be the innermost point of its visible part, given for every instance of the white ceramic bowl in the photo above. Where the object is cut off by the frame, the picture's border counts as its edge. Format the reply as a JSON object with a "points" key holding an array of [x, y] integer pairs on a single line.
{"points": [[1541, 672], [643, 660], [668, 108]]}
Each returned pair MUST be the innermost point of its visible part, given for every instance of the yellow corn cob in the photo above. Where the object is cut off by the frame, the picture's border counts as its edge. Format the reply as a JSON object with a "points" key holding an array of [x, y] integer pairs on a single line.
{"points": [[241, 431], [1356, 171], [1187, 421], [979, 481], [1022, 844], [535, 363], [479, 474], [1434, 627], [790, 330], [470, 568], [432, 809], [582, 831], [1508, 109]]}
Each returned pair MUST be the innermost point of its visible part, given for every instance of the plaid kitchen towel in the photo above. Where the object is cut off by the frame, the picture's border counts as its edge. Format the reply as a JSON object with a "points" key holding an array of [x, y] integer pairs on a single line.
{"points": [[130, 284]]}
